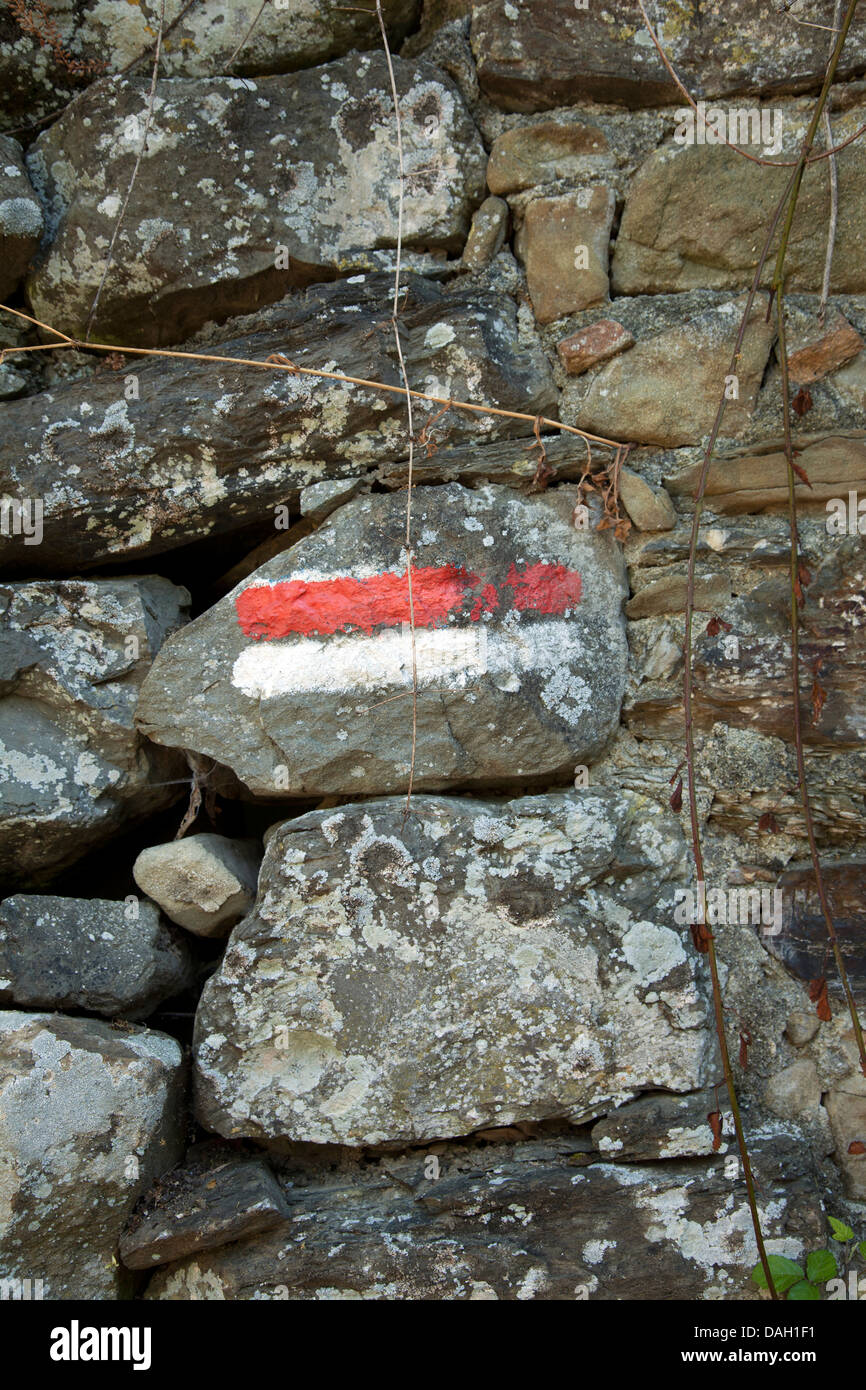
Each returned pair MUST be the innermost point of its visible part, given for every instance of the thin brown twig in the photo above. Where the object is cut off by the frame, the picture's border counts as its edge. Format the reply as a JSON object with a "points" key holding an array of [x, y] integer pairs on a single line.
{"points": [[474, 407], [247, 35], [834, 196], [141, 153], [408, 394]]}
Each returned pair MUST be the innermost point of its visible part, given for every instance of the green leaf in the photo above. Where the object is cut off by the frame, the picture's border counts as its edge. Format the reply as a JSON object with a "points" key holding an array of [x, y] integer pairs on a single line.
{"points": [[785, 1273], [821, 1266], [840, 1230], [862, 1249], [802, 1291]]}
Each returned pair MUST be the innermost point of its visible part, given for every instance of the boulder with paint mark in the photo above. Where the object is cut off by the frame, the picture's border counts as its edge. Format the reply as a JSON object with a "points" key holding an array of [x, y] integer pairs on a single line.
{"points": [[479, 964], [164, 453], [90, 1116], [295, 179], [74, 653], [300, 679]]}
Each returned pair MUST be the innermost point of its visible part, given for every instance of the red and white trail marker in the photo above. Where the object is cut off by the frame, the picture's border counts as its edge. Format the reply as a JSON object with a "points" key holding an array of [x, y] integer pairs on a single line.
{"points": [[350, 632]]}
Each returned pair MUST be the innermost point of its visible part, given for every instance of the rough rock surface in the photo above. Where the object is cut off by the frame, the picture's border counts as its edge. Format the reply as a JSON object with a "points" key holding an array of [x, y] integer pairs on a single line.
{"points": [[204, 449], [302, 188], [213, 1198], [639, 395], [20, 217], [564, 245], [540, 54], [74, 654], [204, 883], [278, 37], [696, 215], [89, 1117], [510, 1223], [110, 958], [531, 155], [473, 968], [519, 634]]}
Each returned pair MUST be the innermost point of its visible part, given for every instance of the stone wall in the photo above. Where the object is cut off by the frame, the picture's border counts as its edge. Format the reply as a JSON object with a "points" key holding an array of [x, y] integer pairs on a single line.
{"points": [[336, 1041]]}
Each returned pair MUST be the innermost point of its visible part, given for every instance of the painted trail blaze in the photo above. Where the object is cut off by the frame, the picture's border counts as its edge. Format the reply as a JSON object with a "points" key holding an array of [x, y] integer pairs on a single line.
{"points": [[303, 607]]}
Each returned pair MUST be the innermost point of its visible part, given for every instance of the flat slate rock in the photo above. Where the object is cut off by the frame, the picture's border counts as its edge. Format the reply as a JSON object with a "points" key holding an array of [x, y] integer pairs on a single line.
{"points": [[516, 1225], [533, 55], [521, 654], [201, 1206], [474, 966], [162, 453]]}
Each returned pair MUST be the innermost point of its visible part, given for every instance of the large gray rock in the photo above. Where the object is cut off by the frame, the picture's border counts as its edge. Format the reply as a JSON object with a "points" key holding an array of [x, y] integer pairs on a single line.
{"points": [[511, 1222], [134, 463], [287, 35], [73, 767], [541, 54], [20, 217], [296, 179], [290, 679], [110, 958], [480, 964], [89, 1118], [205, 883]]}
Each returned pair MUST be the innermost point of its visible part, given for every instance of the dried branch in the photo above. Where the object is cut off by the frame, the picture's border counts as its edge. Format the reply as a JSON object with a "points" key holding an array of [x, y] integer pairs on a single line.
{"points": [[408, 393]]}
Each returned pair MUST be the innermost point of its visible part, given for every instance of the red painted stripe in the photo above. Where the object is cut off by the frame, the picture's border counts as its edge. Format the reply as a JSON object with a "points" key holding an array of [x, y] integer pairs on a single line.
{"points": [[331, 605], [544, 588], [301, 607]]}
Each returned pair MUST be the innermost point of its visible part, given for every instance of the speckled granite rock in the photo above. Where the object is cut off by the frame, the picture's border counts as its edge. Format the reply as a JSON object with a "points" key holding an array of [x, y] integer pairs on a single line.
{"points": [[74, 653], [109, 958], [487, 963], [295, 177], [520, 651], [89, 1117]]}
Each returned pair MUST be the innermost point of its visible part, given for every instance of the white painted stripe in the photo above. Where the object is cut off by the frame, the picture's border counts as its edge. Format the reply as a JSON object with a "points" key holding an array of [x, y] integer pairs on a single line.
{"points": [[353, 662]]}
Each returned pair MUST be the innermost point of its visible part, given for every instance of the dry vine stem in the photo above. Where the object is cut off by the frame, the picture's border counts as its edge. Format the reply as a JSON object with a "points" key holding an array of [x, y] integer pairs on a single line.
{"points": [[409, 417], [284, 365], [703, 936]]}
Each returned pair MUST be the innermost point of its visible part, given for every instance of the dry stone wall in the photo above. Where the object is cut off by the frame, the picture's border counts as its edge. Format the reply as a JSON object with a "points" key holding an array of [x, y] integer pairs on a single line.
{"points": [[272, 1027]]}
